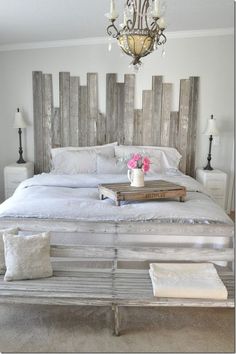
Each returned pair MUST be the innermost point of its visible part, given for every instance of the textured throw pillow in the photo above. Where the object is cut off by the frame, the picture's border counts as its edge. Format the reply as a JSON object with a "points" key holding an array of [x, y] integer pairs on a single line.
{"points": [[107, 149], [126, 152], [161, 158], [27, 257], [110, 165], [75, 162], [2, 257]]}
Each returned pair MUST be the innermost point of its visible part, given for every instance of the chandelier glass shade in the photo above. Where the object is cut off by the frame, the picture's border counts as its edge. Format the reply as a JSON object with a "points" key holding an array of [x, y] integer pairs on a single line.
{"points": [[141, 31]]}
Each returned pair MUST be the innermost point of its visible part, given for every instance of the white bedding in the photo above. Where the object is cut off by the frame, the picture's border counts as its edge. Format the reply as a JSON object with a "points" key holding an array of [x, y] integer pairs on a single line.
{"points": [[76, 197]]}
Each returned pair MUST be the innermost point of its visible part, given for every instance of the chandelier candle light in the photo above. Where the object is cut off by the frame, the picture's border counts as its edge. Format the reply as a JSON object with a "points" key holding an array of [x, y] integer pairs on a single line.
{"points": [[141, 31]]}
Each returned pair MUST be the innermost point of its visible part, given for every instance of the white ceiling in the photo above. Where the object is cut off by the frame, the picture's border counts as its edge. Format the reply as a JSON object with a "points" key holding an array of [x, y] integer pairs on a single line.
{"points": [[23, 21]]}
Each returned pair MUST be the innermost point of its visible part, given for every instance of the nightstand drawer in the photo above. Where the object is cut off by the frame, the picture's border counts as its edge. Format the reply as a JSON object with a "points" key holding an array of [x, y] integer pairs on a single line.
{"points": [[215, 182], [9, 192], [214, 178], [215, 188], [15, 174], [216, 192], [12, 184]]}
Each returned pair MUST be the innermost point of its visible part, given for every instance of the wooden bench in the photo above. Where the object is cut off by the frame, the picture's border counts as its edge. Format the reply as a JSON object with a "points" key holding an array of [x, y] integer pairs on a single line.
{"points": [[93, 276]]}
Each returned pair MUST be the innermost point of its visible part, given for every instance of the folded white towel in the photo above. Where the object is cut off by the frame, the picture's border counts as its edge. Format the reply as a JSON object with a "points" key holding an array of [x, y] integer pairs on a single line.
{"points": [[185, 280]]}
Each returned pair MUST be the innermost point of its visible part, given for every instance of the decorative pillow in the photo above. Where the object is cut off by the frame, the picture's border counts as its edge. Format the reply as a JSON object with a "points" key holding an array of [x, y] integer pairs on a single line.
{"points": [[125, 152], [2, 257], [75, 162], [162, 158], [108, 149], [110, 165], [27, 257]]}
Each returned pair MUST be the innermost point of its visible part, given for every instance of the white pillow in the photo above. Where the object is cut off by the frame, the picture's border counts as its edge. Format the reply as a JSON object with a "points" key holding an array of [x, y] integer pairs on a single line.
{"points": [[13, 231], [75, 162], [108, 149], [110, 165], [162, 158], [27, 257]]}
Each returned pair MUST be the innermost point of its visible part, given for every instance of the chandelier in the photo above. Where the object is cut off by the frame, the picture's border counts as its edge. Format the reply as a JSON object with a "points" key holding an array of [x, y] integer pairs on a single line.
{"points": [[141, 31]]}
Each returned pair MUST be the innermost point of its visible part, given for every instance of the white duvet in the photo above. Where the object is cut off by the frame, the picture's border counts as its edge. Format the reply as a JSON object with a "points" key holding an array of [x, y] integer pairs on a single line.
{"points": [[76, 197]]}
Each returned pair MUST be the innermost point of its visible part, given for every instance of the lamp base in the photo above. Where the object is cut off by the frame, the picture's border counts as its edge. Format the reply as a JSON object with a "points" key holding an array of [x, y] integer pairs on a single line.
{"points": [[21, 160], [208, 168]]}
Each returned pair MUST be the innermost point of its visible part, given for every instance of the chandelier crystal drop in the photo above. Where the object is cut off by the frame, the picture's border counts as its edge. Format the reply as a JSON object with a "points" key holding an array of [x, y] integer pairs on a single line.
{"points": [[141, 31]]}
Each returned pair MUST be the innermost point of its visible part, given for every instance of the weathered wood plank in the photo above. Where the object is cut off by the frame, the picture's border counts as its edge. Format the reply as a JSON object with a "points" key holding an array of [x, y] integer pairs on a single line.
{"points": [[83, 112], [176, 254], [111, 107], [74, 111], [147, 117], [156, 109], [82, 252], [47, 121], [129, 109], [183, 122], [101, 129], [56, 129], [124, 228], [38, 121], [138, 127], [174, 129], [64, 88], [192, 131], [165, 113], [120, 112], [92, 82]]}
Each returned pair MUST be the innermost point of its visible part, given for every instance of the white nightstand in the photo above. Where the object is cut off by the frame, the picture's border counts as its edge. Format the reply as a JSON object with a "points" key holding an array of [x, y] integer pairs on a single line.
{"points": [[215, 183], [14, 174]]}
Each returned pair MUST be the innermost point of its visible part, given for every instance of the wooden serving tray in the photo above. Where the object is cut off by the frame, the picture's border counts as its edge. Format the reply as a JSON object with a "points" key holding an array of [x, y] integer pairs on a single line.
{"points": [[152, 190]]}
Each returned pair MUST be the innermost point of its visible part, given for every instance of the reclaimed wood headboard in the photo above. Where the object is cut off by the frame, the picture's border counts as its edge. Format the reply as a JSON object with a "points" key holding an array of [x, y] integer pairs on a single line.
{"points": [[78, 121]]}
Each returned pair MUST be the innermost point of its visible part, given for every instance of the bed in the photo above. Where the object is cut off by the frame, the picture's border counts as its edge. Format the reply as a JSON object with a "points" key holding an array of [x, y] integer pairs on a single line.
{"points": [[68, 204]]}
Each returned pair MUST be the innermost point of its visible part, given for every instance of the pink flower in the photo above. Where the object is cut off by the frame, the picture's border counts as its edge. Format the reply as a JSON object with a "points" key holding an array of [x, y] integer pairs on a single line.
{"points": [[137, 157], [146, 160], [146, 167], [138, 161], [132, 164]]}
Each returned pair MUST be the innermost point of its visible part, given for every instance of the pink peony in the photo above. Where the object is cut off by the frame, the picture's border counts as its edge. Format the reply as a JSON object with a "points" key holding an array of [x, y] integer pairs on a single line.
{"points": [[132, 164], [146, 167], [146, 161], [137, 157]]}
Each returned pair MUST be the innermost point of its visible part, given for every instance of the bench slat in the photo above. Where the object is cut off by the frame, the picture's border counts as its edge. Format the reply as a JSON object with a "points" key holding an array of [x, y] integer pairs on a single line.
{"points": [[176, 254]]}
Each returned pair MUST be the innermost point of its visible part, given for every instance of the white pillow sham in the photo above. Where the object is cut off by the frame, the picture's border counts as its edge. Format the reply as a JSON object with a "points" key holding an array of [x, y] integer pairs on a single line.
{"points": [[27, 257], [162, 158], [110, 165], [107, 149], [75, 162], [13, 231]]}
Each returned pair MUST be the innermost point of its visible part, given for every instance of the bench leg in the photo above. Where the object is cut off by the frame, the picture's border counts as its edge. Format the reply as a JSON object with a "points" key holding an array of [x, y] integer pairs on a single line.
{"points": [[116, 320]]}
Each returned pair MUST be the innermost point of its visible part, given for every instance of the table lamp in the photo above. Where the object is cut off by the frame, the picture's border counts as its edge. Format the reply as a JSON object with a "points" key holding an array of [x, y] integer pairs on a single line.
{"points": [[20, 124], [211, 130]]}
